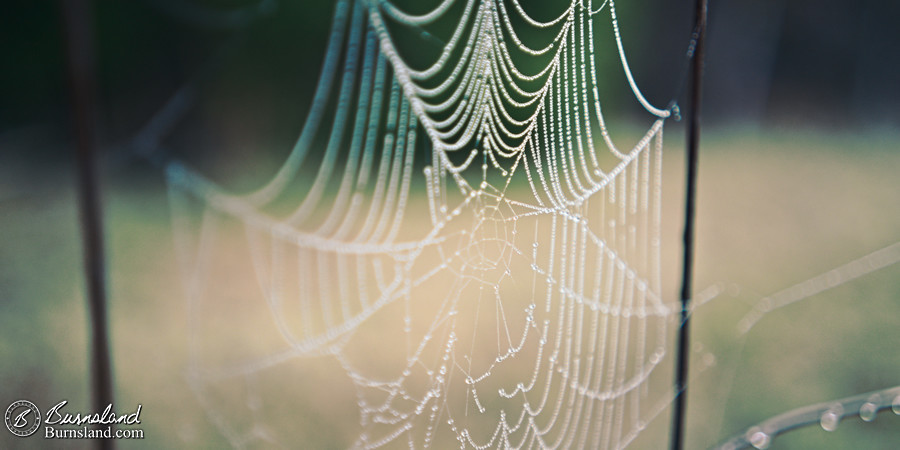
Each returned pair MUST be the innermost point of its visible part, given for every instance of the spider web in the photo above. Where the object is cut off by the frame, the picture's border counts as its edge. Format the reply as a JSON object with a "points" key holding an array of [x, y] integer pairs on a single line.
{"points": [[515, 304]]}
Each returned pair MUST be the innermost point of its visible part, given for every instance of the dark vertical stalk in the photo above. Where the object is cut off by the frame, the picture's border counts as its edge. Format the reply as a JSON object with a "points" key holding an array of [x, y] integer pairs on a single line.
{"points": [[693, 142], [80, 58]]}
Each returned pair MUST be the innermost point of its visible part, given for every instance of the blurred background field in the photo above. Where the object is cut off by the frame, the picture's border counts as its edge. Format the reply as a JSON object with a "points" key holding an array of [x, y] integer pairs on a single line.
{"points": [[775, 209], [798, 175]]}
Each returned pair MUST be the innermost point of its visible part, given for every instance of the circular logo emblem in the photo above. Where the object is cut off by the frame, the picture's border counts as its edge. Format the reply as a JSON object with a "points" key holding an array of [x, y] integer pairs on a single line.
{"points": [[23, 418]]}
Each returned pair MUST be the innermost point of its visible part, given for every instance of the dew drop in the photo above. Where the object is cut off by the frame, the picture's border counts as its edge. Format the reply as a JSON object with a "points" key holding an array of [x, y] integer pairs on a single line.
{"points": [[758, 438], [262, 432], [254, 402], [868, 411], [830, 419]]}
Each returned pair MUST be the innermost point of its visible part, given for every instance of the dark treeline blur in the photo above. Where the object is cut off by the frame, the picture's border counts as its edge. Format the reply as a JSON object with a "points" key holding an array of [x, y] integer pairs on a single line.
{"points": [[827, 62], [789, 63]]}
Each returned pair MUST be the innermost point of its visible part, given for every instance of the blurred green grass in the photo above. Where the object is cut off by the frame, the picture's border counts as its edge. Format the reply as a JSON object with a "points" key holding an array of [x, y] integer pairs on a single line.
{"points": [[775, 208]]}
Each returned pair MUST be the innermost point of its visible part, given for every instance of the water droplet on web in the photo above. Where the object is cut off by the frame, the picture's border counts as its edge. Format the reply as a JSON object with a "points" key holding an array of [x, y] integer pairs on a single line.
{"points": [[263, 432], [868, 411], [831, 418], [758, 438], [254, 402]]}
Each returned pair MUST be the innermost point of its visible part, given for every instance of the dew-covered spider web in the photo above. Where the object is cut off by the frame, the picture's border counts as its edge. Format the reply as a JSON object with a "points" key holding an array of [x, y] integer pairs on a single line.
{"points": [[456, 246], [517, 302]]}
